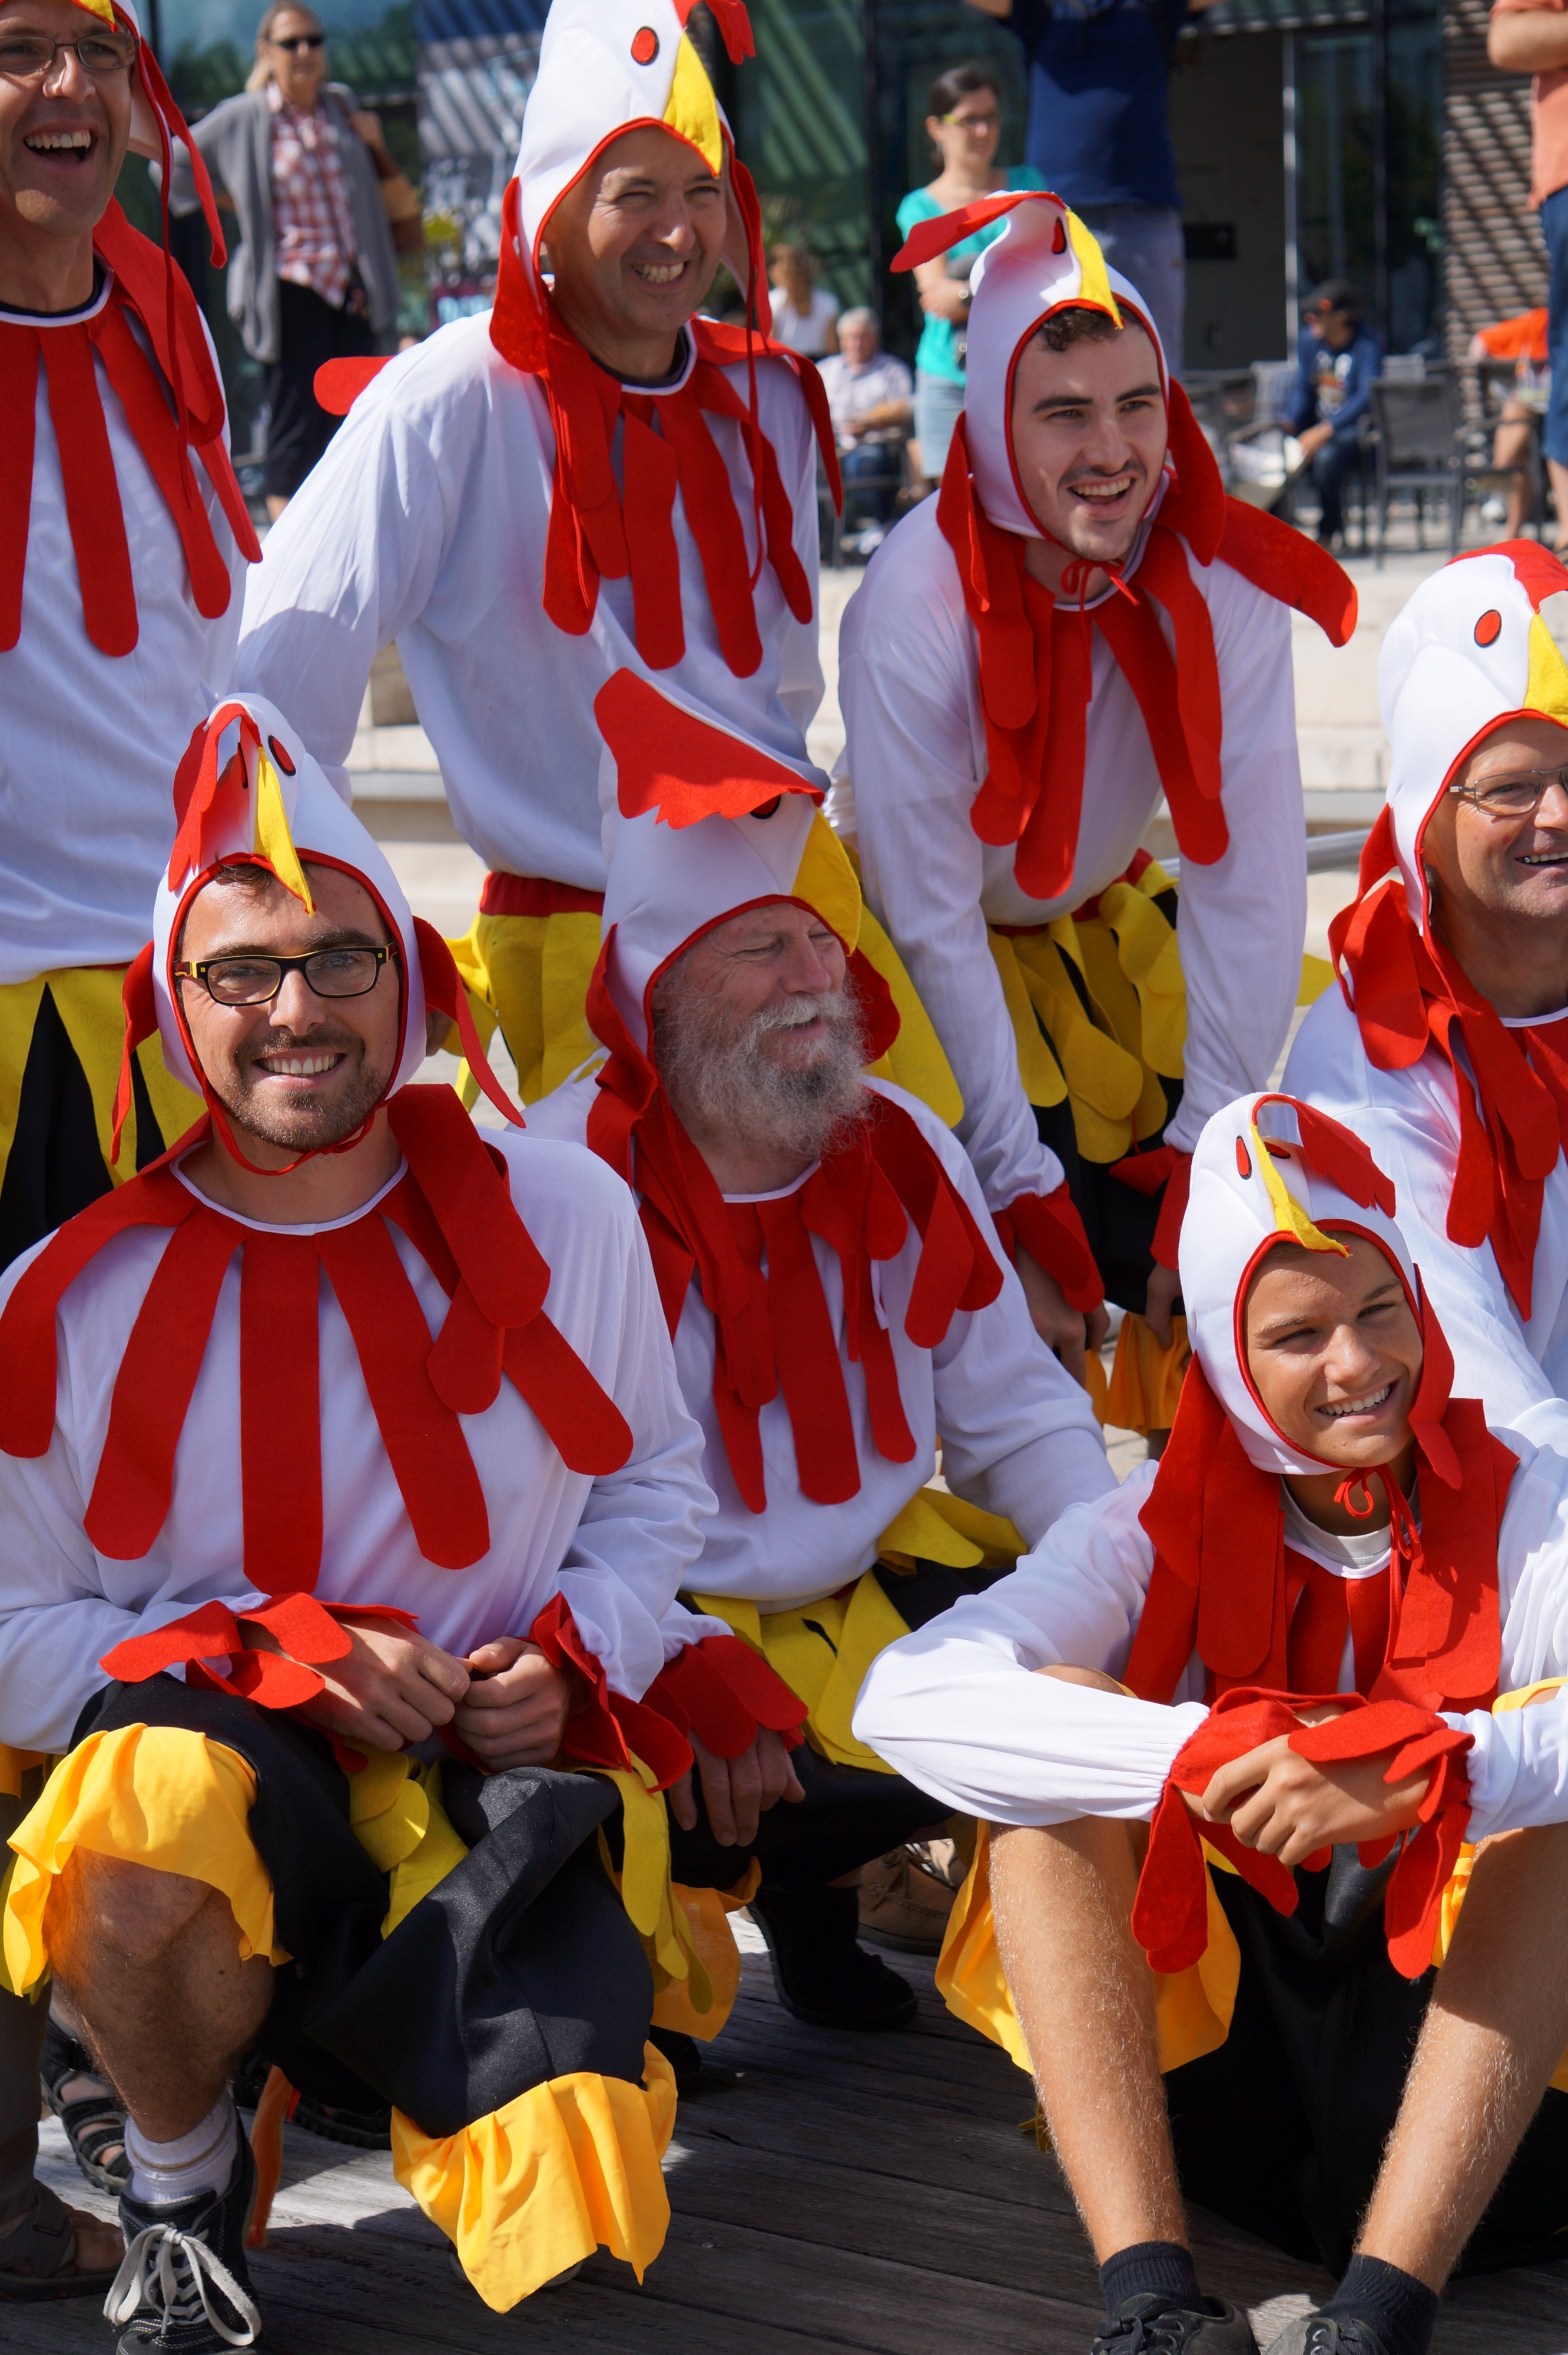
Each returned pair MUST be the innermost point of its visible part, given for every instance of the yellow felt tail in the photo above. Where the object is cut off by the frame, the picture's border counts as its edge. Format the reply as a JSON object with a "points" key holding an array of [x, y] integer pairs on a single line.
{"points": [[531, 974], [822, 1652], [1145, 1377], [711, 1941], [567, 2167], [87, 1002]]}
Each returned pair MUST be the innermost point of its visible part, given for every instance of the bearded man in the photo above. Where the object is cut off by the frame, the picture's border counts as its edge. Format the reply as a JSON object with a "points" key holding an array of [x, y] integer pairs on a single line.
{"points": [[837, 1310], [1446, 1043], [1080, 623], [333, 1614]]}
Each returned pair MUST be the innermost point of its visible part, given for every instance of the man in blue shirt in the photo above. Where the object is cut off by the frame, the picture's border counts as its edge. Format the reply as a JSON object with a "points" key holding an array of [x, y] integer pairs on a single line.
{"points": [[1098, 134], [1337, 358]]}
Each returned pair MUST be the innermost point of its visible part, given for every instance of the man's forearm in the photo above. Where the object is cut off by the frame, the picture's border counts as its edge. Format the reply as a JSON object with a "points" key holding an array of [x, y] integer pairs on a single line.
{"points": [[1524, 40]]}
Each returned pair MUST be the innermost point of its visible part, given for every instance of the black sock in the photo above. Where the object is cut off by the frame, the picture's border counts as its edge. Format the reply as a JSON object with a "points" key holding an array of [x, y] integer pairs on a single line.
{"points": [[1149, 2268], [1400, 2310]]}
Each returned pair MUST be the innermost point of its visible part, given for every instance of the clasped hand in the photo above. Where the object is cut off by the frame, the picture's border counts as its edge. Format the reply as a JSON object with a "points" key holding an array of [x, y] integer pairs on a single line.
{"points": [[736, 1792], [395, 1688], [1282, 1804]]}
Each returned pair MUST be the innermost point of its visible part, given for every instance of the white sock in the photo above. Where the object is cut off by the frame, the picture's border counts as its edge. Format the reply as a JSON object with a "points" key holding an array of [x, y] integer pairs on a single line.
{"points": [[201, 2160]]}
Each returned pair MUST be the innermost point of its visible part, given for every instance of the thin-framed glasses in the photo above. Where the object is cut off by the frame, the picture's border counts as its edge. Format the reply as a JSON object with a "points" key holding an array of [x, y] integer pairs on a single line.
{"points": [[30, 57], [1519, 795], [298, 41], [256, 980]]}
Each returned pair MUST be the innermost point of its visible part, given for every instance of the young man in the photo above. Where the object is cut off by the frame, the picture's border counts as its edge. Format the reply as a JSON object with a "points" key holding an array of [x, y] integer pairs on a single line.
{"points": [[835, 1305], [1337, 358], [231, 1451], [591, 477], [126, 543], [1080, 623], [1286, 1640], [1446, 1044]]}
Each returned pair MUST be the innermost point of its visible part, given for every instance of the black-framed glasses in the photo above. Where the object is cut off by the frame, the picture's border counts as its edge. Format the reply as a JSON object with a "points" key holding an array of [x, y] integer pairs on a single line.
{"points": [[298, 41], [256, 980], [1517, 794], [30, 57]]}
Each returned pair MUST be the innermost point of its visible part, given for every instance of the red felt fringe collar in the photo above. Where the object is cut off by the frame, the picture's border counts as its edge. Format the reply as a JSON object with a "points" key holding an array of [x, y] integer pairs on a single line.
{"points": [[1225, 1586], [1036, 655], [453, 1205], [184, 373], [772, 1332], [1408, 993]]}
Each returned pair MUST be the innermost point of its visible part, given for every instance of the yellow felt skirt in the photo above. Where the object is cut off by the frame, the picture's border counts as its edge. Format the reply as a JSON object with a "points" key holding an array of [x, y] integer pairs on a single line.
{"points": [[87, 999], [568, 2166]]}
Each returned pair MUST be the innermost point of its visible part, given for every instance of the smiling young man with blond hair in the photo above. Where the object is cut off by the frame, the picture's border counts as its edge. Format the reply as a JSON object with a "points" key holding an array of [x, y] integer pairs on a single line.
{"points": [[1079, 625]]}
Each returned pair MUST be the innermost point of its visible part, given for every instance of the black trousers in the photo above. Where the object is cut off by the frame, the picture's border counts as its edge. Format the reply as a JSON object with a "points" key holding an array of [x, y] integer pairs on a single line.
{"points": [[1282, 2129], [56, 1167], [311, 333]]}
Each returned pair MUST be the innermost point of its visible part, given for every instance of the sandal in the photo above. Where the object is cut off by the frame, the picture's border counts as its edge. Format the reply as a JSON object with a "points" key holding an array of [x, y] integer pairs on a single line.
{"points": [[37, 2255], [94, 2123]]}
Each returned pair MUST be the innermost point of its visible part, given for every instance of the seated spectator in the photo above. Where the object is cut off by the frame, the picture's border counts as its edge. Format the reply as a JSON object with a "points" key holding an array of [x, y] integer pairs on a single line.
{"points": [[1337, 358], [1523, 340], [805, 317], [872, 397]]}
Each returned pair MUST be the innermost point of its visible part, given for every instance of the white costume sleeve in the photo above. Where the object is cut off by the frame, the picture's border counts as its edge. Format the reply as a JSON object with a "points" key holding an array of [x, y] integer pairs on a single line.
{"points": [[956, 1708], [350, 563], [908, 684], [1410, 1122], [1240, 923], [800, 658]]}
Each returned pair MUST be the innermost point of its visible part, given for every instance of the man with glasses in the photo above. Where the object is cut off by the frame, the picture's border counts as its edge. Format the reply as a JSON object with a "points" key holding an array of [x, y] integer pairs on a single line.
{"points": [[125, 542], [409, 1590], [1445, 1046]]}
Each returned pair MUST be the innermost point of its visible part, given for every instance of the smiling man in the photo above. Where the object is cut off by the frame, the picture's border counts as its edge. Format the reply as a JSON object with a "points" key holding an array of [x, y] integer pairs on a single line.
{"points": [[1312, 1635], [1446, 1044], [1080, 624], [574, 483], [390, 1490]]}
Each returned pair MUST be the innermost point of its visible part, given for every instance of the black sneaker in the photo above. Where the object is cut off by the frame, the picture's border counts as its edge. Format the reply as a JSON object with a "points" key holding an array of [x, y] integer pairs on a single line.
{"points": [[824, 1976], [184, 2287], [1327, 2334], [1150, 2324]]}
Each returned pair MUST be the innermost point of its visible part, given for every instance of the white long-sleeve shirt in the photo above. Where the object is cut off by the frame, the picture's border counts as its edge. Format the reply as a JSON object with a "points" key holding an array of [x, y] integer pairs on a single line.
{"points": [[617, 1547], [426, 522], [957, 1708], [909, 685], [1017, 1434], [1410, 1120], [90, 741]]}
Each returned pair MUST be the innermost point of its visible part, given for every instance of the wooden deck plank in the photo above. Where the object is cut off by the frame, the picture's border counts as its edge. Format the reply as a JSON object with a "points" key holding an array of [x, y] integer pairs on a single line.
{"points": [[852, 2196]]}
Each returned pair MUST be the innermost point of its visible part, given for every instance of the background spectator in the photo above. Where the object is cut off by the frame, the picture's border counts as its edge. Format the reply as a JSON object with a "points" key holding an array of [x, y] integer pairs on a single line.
{"points": [[805, 314], [964, 122], [314, 274], [1336, 360], [1099, 133], [870, 394], [1531, 37], [1523, 340]]}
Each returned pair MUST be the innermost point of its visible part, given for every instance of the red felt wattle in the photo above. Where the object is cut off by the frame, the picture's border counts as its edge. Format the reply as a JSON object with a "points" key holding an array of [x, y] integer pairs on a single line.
{"points": [[669, 761], [337, 384]]}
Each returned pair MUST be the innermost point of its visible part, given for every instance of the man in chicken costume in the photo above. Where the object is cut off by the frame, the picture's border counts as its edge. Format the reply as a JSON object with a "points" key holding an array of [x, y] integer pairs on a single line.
{"points": [[271, 1549], [589, 478], [1280, 1651], [1446, 1045], [123, 542], [834, 1297], [1081, 624]]}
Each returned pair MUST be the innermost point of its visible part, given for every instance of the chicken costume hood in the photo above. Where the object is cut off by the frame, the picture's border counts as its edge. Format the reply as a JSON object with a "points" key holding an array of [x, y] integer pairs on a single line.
{"points": [[169, 360], [1036, 654], [1482, 642], [674, 874]]}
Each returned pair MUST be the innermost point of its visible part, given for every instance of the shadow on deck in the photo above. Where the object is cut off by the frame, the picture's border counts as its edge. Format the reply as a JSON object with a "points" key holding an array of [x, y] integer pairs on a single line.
{"points": [[867, 2193]]}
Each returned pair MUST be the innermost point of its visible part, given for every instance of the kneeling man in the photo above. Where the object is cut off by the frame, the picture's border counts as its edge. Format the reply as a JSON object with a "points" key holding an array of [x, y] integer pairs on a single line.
{"points": [[838, 1308], [324, 1614], [1286, 1643]]}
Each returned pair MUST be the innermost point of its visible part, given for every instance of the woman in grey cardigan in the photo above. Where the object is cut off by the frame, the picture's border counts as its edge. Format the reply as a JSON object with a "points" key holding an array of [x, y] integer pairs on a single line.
{"points": [[315, 275]]}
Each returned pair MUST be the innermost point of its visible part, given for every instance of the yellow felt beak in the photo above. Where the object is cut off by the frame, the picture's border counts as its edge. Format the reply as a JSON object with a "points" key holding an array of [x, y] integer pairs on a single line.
{"points": [[1289, 1218], [693, 110], [273, 842], [1095, 279], [1547, 688], [825, 881]]}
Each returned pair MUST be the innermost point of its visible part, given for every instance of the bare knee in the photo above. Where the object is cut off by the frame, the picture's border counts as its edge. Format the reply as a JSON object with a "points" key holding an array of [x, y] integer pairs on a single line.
{"points": [[1096, 1678], [103, 1910]]}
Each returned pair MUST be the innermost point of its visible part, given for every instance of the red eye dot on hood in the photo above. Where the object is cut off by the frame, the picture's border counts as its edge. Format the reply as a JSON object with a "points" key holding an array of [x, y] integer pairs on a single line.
{"points": [[1244, 1160], [644, 46], [1488, 628], [279, 756]]}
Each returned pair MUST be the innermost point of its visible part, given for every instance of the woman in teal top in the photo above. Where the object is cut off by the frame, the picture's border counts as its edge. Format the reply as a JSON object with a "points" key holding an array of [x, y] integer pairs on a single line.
{"points": [[964, 124]]}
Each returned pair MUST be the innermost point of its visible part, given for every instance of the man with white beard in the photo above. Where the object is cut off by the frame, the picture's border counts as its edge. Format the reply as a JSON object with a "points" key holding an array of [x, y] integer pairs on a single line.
{"points": [[837, 1305]]}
